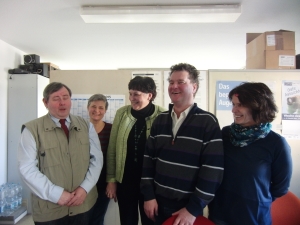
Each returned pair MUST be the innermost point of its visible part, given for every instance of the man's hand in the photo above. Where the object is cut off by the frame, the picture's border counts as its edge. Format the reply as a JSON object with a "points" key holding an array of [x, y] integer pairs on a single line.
{"points": [[111, 191], [184, 217], [79, 197], [65, 198], [151, 209]]}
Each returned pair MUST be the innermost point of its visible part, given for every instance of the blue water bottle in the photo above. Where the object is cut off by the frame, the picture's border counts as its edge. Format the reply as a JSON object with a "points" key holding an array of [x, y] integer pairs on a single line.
{"points": [[2, 201], [10, 199], [19, 194]]}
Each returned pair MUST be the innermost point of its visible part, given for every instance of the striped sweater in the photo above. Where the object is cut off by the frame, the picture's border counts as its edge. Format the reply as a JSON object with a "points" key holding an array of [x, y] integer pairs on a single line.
{"points": [[185, 168]]}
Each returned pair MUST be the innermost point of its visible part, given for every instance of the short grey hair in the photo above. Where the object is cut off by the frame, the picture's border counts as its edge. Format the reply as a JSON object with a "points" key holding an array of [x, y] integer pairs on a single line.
{"points": [[98, 97]]}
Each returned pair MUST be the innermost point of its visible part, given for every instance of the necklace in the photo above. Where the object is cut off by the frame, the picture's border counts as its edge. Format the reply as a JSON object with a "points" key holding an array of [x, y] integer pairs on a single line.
{"points": [[136, 141]]}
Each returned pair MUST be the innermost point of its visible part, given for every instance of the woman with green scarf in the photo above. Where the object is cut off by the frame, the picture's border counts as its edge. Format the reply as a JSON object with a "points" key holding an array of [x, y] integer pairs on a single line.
{"points": [[258, 164]]}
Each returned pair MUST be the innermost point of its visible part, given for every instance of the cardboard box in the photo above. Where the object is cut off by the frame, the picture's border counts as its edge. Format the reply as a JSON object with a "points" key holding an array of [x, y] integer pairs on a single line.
{"points": [[270, 40], [278, 59], [270, 50]]}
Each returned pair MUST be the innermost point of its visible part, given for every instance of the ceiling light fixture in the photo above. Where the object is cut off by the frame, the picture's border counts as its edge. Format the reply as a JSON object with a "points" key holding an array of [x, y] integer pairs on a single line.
{"points": [[161, 14]]}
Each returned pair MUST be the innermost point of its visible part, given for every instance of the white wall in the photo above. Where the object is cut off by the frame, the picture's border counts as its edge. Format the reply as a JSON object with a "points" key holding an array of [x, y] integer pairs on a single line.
{"points": [[10, 58]]}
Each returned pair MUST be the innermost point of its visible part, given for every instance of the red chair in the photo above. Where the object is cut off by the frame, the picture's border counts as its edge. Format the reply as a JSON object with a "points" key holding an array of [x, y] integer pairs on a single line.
{"points": [[200, 220], [286, 210]]}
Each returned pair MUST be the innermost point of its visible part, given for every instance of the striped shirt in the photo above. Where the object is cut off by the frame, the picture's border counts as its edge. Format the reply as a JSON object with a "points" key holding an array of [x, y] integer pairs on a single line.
{"points": [[187, 167]]}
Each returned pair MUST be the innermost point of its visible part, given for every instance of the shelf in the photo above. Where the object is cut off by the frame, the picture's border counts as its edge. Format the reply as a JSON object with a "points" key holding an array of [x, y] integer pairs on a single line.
{"points": [[14, 217]]}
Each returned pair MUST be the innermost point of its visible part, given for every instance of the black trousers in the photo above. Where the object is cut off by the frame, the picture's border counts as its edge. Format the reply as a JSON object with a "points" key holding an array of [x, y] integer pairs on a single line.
{"points": [[131, 201], [165, 211], [79, 219]]}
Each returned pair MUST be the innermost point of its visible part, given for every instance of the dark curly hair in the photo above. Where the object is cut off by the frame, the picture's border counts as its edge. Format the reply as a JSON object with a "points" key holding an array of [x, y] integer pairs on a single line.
{"points": [[258, 98], [143, 84], [193, 72]]}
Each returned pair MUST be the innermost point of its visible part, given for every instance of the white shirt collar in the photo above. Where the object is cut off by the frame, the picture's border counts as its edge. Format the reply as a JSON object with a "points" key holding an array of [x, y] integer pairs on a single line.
{"points": [[56, 120], [184, 113]]}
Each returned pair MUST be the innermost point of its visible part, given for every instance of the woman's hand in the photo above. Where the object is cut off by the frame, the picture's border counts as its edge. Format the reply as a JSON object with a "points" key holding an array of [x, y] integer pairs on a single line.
{"points": [[111, 191]]}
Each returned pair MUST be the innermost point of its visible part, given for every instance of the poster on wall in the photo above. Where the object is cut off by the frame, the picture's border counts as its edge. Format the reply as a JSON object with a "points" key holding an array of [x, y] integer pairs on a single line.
{"points": [[223, 104], [201, 97], [79, 106], [157, 77], [291, 109]]}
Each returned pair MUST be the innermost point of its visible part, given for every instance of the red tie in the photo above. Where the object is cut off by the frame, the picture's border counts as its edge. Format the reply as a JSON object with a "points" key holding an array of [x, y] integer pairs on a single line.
{"points": [[64, 127]]}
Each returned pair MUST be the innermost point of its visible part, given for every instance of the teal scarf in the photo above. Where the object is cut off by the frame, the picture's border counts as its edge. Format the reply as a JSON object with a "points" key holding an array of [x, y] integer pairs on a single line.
{"points": [[243, 136]]}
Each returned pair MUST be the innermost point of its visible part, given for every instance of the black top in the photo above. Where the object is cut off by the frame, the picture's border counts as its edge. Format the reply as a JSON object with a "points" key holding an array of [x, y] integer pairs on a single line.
{"points": [[136, 146], [104, 140]]}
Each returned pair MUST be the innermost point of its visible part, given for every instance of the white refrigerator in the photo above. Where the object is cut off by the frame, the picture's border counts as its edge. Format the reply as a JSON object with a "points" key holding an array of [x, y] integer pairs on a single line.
{"points": [[25, 94]]}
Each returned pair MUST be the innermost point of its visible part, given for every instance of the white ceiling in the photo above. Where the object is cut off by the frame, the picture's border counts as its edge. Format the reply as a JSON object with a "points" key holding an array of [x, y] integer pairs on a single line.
{"points": [[54, 30]]}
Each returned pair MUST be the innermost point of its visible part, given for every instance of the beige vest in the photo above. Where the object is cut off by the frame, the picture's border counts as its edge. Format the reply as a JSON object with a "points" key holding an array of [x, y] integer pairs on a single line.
{"points": [[64, 163]]}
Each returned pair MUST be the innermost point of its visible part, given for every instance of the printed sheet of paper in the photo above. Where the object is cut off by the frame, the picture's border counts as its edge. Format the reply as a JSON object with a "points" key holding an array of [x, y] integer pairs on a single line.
{"points": [[291, 109], [223, 104]]}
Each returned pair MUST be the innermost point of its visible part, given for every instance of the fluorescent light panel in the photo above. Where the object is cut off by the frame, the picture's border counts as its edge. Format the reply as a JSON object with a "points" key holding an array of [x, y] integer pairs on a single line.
{"points": [[161, 14]]}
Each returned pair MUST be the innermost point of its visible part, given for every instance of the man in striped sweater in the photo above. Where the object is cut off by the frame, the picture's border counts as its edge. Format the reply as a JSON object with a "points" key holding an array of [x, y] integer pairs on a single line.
{"points": [[183, 160]]}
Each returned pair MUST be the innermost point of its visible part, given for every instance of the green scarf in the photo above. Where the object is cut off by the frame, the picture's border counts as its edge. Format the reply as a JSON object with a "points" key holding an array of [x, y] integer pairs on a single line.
{"points": [[243, 136]]}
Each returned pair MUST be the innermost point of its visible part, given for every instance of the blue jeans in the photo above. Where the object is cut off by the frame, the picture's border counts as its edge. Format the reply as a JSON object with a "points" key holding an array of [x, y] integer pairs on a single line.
{"points": [[99, 209]]}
